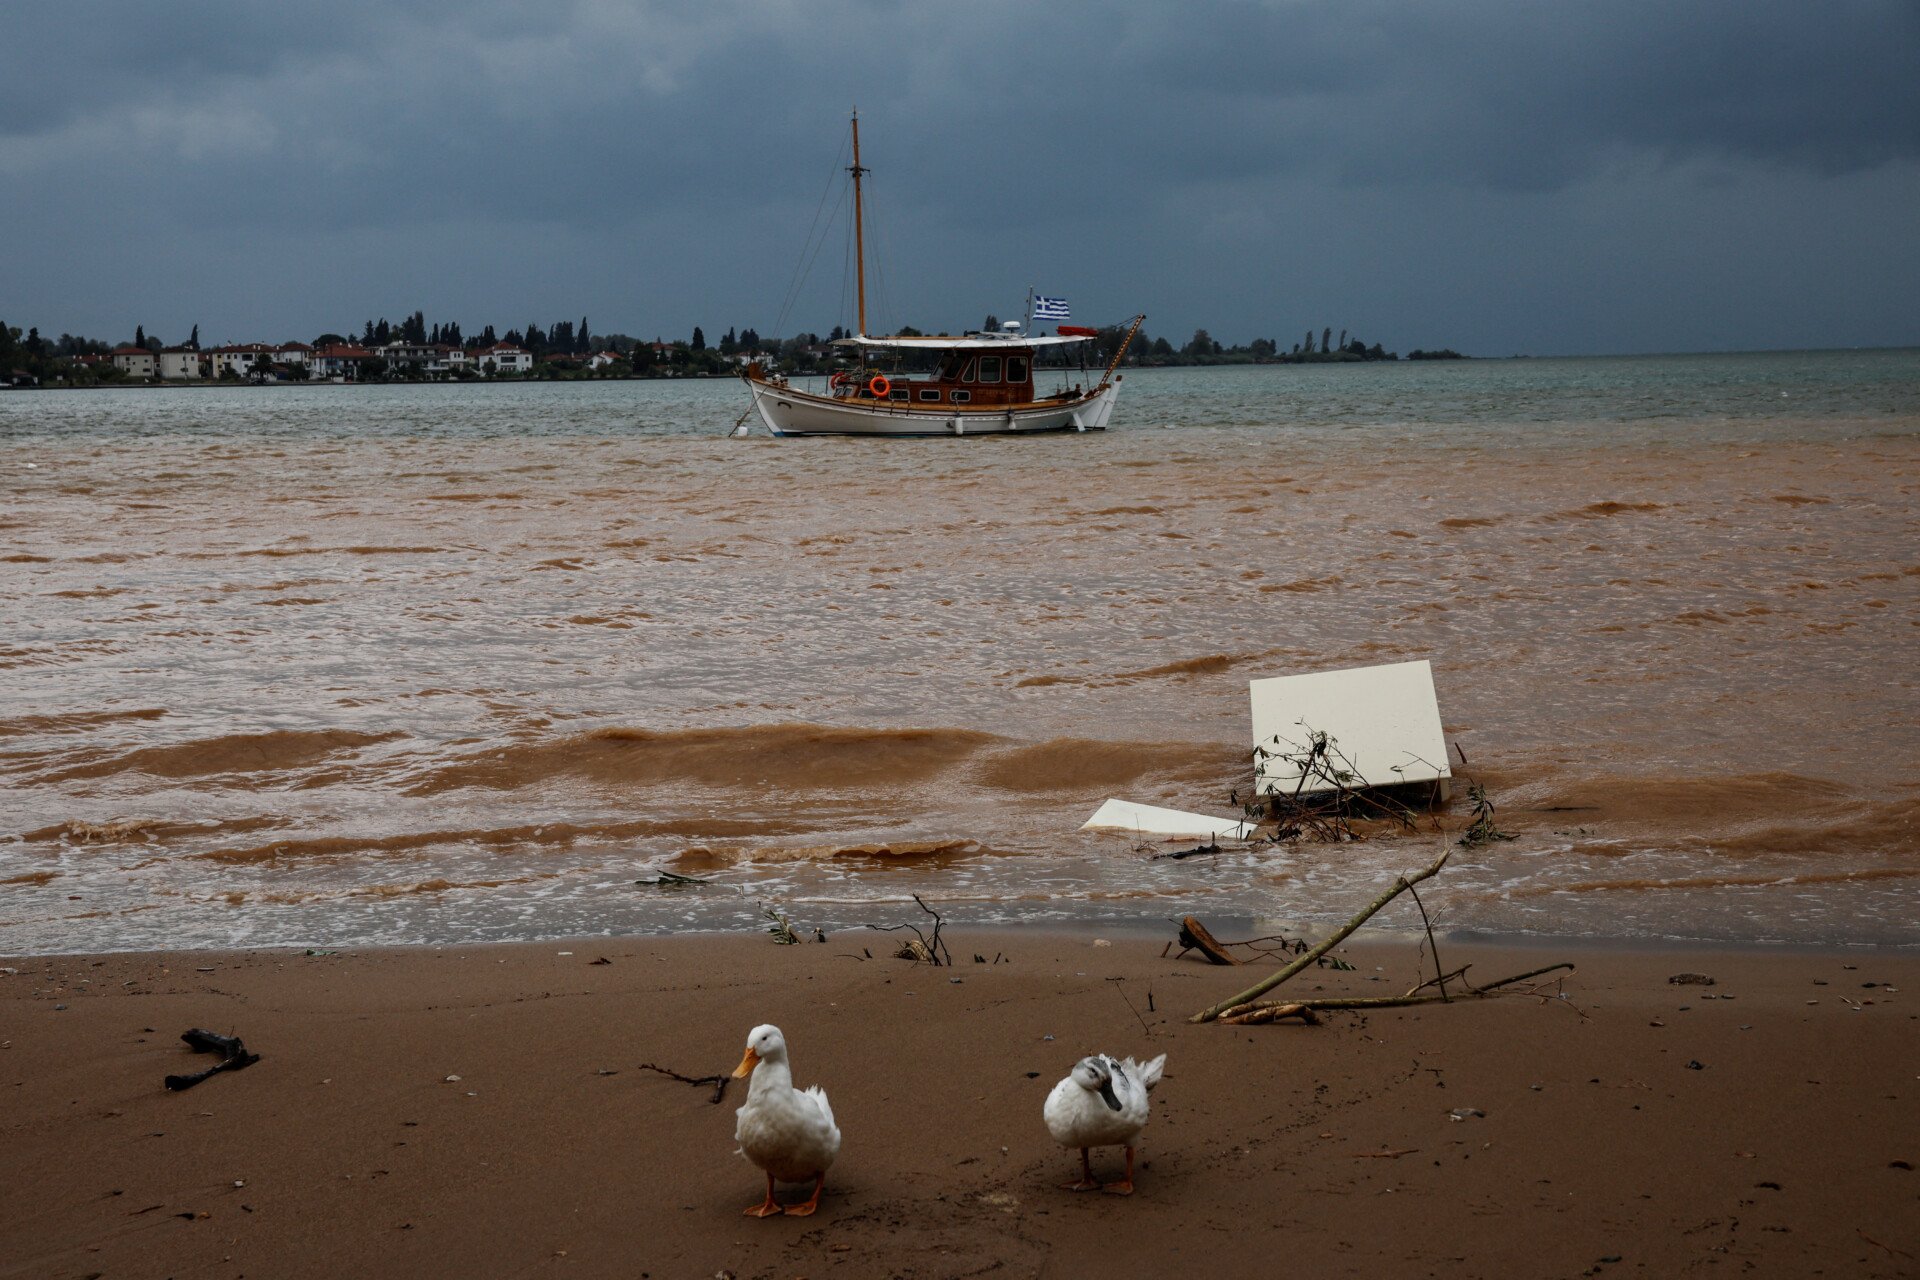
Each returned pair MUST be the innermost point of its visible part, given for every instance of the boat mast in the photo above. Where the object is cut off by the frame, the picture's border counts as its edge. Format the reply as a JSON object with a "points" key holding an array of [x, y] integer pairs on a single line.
{"points": [[859, 228]]}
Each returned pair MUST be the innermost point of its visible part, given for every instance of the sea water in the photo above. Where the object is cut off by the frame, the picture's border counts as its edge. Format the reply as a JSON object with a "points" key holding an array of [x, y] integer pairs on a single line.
{"points": [[341, 665]]}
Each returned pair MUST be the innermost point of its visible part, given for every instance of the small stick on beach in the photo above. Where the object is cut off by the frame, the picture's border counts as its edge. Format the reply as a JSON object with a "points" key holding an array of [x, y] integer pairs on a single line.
{"points": [[719, 1082]]}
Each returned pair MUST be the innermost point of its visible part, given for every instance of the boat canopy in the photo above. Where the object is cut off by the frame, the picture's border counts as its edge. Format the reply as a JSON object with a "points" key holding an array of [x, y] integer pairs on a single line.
{"points": [[971, 342]]}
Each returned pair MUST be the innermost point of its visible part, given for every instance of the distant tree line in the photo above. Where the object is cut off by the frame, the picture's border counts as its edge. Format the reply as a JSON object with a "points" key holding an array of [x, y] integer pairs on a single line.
{"points": [[566, 349]]}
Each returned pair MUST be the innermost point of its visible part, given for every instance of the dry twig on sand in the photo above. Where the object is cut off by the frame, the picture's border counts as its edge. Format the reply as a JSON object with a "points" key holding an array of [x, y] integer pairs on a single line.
{"points": [[921, 946], [1273, 1010], [719, 1082]]}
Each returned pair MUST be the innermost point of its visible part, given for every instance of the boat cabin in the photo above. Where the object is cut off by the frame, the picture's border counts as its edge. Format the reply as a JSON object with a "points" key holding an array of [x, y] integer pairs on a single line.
{"points": [[978, 371], [977, 378]]}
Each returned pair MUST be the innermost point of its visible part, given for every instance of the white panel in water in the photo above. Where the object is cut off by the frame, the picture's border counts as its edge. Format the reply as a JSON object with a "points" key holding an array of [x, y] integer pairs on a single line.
{"points": [[1147, 820], [1386, 720]]}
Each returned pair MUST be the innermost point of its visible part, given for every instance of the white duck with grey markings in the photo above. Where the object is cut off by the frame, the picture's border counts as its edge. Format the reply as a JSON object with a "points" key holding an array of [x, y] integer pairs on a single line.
{"points": [[1102, 1103]]}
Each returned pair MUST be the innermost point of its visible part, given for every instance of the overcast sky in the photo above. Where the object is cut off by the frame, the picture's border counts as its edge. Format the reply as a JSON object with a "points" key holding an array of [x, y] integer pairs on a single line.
{"points": [[1499, 177]]}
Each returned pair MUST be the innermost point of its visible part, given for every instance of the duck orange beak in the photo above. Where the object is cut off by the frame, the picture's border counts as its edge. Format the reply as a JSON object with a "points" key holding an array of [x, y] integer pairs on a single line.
{"points": [[747, 1064]]}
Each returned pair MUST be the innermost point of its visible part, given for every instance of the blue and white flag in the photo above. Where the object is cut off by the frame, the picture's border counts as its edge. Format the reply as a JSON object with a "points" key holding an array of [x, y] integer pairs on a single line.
{"points": [[1051, 309]]}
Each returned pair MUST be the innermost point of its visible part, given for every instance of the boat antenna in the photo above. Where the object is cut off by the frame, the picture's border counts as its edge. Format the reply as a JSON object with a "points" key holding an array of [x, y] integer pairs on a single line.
{"points": [[859, 230]]}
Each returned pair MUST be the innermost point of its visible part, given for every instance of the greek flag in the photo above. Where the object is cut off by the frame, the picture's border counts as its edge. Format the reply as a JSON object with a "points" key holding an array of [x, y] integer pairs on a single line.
{"points": [[1051, 309]]}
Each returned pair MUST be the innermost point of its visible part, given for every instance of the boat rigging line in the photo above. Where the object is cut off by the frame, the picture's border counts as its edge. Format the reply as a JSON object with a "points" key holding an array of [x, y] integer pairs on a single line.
{"points": [[810, 247]]}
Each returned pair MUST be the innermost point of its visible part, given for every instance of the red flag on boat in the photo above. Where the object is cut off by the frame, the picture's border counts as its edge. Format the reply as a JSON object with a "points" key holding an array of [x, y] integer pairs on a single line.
{"points": [[1076, 331]]}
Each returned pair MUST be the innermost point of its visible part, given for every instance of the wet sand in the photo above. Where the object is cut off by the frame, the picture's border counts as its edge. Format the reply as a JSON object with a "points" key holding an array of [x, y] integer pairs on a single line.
{"points": [[1763, 1124]]}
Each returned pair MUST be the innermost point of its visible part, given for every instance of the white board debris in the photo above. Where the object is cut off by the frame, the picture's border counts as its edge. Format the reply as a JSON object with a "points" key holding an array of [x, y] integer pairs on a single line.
{"points": [[1148, 820], [1385, 720]]}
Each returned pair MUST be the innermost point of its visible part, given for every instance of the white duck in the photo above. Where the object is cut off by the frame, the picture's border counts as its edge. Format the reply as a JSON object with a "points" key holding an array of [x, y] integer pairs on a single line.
{"points": [[787, 1132], [1102, 1103]]}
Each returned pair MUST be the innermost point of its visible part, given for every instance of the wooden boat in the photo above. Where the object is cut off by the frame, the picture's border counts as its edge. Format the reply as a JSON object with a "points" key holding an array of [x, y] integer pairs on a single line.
{"points": [[976, 384]]}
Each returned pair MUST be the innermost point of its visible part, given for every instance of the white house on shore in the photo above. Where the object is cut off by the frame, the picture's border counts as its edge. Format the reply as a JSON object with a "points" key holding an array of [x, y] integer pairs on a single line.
{"points": [[427, 357], [504, 357], [135, 362], [338, 360], [239, 359], [178, 363]]}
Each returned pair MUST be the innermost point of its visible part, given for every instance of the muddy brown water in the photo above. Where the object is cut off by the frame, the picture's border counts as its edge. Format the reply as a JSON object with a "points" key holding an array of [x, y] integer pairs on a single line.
{"points": [[347, 665]]}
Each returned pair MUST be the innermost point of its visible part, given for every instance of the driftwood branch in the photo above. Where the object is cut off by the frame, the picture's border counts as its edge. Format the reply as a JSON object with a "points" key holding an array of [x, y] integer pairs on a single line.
{"points": [[1195, 936], [1284, 948], [1340, 935], [233, 1056], [1258, 1013], [1241, 1015]]}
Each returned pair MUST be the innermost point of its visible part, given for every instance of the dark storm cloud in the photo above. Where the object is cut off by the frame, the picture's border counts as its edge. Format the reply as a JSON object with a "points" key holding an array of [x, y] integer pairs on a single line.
{"points": [[518, 156]]}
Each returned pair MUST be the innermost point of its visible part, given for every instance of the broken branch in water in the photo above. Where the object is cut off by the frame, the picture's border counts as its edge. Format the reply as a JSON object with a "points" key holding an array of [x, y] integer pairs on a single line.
{"points": [[922, 947], [719, 1083], [672, 880], [1328, 792], [1335, 939], [1482, 829], [1212, 846]]}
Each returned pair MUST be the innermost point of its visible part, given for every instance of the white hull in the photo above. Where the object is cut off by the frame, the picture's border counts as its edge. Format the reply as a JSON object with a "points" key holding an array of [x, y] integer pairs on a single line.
{"points": [[788, 412]]}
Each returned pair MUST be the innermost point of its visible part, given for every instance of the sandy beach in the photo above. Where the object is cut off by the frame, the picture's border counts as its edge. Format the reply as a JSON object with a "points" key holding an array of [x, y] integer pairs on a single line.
{"points": [[483, 1111]]}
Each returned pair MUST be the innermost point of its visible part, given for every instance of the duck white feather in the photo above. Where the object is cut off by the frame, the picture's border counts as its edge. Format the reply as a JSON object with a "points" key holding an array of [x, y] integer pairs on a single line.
{"points": [[789, 1133], [1102, 1102]]}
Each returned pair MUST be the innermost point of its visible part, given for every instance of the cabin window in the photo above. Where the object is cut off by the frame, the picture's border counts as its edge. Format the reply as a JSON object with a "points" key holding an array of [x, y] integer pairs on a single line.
{"points": [[960, 397], [966, 374], [899, 393], [1016, 369], [929, 394], [989, 368]]}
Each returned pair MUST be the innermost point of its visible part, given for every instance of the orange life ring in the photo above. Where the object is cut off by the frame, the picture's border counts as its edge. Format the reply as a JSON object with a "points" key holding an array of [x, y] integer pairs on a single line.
{"points": [[878, 386], [839, 379]]}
